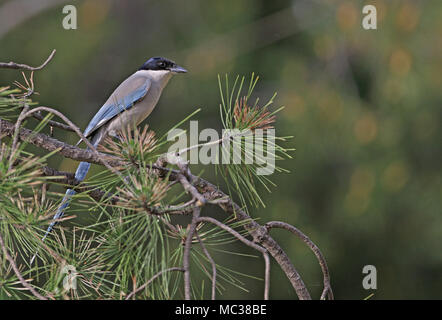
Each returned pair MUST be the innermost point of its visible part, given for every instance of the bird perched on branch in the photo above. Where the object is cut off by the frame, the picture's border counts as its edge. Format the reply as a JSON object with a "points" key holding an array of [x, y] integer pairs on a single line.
{"points": [[131, 103]]}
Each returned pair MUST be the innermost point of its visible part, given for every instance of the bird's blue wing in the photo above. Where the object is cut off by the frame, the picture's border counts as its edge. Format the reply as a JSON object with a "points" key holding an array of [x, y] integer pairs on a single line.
{"points": [[123, 98]]}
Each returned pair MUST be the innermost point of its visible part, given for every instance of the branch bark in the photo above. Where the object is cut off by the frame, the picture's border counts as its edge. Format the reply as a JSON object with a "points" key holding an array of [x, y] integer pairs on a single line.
{"points": [[212, 263], [248, 243], [186, 254], [327, 291], [21, 66], [50, 144], [17, 272]]}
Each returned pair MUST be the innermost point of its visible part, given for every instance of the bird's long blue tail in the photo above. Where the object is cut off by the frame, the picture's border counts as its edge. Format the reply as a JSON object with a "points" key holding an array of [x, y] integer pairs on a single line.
{"points": [[80, 174]]}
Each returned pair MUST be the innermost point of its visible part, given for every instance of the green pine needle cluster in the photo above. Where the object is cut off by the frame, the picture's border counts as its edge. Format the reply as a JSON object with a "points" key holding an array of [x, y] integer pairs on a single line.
{"points": [[245, 119]]}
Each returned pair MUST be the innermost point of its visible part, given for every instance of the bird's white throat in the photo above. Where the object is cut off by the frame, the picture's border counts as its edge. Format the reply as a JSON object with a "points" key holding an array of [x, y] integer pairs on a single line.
{"points": [[158, 77]]}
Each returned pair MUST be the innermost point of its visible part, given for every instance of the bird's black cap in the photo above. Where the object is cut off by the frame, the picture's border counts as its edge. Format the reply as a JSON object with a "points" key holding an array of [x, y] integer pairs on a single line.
{"points": [[160, 63]]}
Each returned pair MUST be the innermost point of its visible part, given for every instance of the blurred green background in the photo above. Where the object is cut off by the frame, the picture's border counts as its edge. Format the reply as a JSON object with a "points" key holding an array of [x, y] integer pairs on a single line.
{"points": [[364, 107]]}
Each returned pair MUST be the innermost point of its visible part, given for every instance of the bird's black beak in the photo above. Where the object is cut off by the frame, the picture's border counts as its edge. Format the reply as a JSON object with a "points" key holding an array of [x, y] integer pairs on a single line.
{"points": [[178, 69]]}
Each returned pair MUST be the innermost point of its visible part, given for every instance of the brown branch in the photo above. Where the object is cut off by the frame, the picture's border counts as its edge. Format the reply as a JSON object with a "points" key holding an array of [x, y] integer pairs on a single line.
{"points": [[152, 279], [259, 234], [266, 275], [323, 264], [191, 189], [185, 206], [67, 179], [46, 247], [13, 65], [21, 117], [248, 243], [77, 131], [52, 123], [43, 141], [177, 210], [212, 262], [187, 248], [17, 272]]}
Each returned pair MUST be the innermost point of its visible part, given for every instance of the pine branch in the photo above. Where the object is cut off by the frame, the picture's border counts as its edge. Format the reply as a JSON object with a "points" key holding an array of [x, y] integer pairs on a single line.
{"points": [[209, 191], [50, 144]]}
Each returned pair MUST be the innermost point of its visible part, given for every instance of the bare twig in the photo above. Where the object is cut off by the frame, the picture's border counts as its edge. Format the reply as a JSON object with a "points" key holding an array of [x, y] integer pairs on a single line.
{"points": [[266, 275], [259, 234], [17, 272], [67, 179], [212, 262], [185, 177], [172, 211], [192, 190], [21, 117], [187, 248], [13, 65], [248, 243], [29, 88], [235, 233], [323, 264], [52, 123], [152, 279], [184, 206], [227, 137], [46, 247], [77, 131], [183, 209], [100, 156]]}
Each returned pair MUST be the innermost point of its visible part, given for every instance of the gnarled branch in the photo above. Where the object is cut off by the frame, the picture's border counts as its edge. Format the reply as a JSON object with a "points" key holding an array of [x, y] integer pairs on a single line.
{"points": [[327, 291]]}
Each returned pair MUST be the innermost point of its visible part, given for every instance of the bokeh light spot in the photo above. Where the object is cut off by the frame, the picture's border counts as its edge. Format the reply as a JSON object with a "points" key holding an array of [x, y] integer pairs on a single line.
{"points": [[93, 12], [330, 107], [347, 16], [425, 125], [362, 182], [400, 62], [325, 47], [366, 128], [407, 17], [395, 176], [295, 105]]}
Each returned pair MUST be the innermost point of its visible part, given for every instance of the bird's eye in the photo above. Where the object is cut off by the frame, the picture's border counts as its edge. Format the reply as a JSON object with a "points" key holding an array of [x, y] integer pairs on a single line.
{"points": [[161, 64]]}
